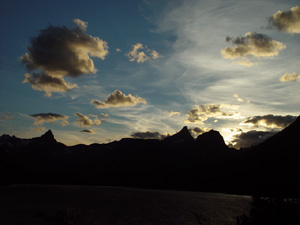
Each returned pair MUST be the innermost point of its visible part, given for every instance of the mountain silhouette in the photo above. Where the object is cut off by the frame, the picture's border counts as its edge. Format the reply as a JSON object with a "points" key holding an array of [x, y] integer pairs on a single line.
{"points": [[11, 141], [277, 160], [182, 136], [211, 140], [48, 137], [177, 162]]}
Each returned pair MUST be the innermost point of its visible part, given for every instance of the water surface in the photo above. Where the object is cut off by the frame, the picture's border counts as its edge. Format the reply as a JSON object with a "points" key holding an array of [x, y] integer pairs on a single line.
{"points": [[82, 205]]}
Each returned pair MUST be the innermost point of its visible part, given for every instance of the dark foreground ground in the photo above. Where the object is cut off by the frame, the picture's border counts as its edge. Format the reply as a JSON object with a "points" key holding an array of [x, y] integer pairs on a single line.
{"points": [[70, 205]]}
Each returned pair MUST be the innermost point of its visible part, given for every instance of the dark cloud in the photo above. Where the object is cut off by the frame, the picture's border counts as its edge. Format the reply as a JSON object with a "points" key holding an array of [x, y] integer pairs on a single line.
{"points": [[43, 82], [196, 131], [287, 21], [64, 51], [148, 135], [60, 51], [270, 121], [201, 113], [87, 131], [86, 121], [117, 99], [250, 138], [41, 118], [252, 45]]}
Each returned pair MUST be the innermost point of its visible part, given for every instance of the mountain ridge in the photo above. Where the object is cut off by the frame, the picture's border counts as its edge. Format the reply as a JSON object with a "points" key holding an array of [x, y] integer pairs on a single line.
{"points": [[179, 162], [182, 136]]}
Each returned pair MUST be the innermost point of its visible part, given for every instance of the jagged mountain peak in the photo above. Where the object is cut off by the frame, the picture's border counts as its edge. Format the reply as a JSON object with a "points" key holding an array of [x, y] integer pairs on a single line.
{"points": [[211, 139], [182, 136], [48, 136], [184, 131], [4, 137], [211, 133]]}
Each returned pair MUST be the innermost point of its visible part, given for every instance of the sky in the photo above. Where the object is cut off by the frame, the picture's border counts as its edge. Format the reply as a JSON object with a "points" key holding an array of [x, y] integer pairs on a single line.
{"points": [[99, 71]]}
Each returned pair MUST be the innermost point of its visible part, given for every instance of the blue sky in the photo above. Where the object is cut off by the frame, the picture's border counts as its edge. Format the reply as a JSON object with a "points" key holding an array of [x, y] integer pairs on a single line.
{"points": [[124, 67]]}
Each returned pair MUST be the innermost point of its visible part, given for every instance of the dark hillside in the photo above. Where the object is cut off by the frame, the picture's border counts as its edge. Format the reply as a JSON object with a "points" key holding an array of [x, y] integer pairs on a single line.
{"points": [[177, 162]]}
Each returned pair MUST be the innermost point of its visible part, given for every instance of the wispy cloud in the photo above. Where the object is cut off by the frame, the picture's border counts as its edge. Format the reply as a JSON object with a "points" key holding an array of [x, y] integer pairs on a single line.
{"points": [[239, 99], [6, 116], [37, 129], [202, 76], [170, 114], [118, 99], [64, 123], [144, 117], [287, 21]]}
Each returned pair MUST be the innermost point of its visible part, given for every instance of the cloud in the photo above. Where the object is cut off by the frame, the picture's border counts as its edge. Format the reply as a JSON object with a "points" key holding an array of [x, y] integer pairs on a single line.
{"points": [[37, 129], [41, 118], [87, 131], [287, 21], [252, 45], [173, 114], [60, 51], [148, 135], [136, 55], [290, 77], [201, 113], [196, 131], [86, 121], [154, 54], [104, 115], [64, 123], [270, 121], [44, 82], [117, 99], [238, 98], [64, 52], [250, 138], [81, 24], [6, 116], [140, 56], [118, 50]]}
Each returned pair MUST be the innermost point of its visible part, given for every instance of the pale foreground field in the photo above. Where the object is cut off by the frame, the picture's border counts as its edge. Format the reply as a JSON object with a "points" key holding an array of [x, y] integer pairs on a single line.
{"points": [[76, 205]]}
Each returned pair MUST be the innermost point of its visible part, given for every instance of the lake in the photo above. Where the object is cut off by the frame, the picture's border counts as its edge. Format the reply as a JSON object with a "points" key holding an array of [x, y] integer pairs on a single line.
{"points": [[86, 205]]}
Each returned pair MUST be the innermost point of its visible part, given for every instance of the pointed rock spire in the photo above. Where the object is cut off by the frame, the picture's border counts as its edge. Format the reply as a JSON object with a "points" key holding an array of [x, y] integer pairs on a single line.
{"points": [[182, 136], [48, 137]]}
